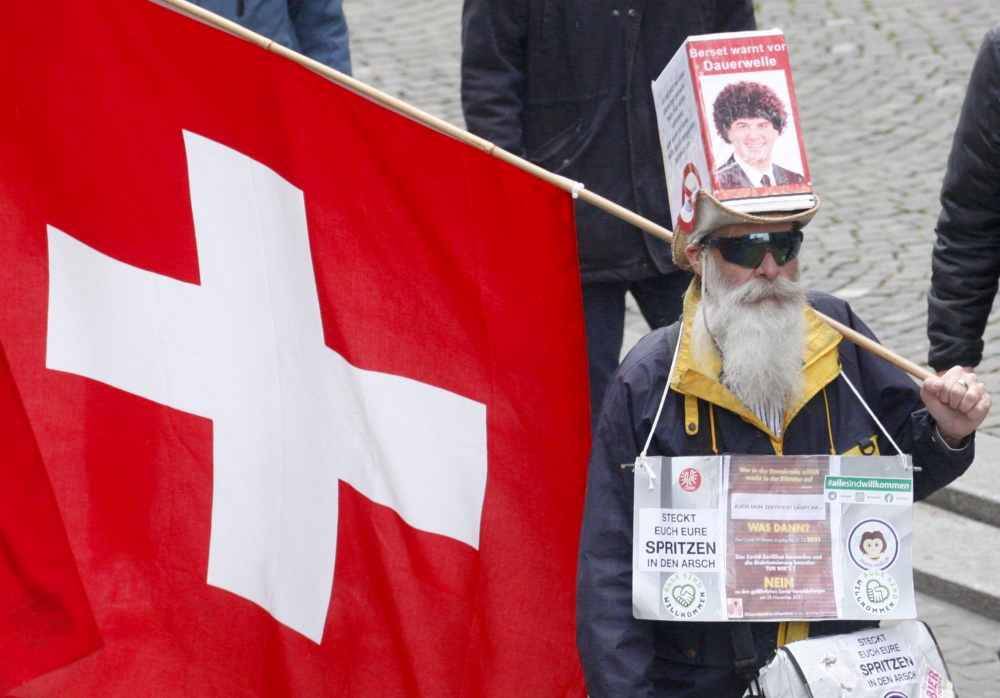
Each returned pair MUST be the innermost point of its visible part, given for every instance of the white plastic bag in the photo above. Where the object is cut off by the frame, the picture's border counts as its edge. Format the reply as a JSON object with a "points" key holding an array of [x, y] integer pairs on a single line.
{"points": [[897, 660]]}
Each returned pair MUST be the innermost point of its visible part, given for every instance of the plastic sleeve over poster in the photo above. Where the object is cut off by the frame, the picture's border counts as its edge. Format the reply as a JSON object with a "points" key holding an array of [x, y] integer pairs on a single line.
{"points": [[732, 538]]}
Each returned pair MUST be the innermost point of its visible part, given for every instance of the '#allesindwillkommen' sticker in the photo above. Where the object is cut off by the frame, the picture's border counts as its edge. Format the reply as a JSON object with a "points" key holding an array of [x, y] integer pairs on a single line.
{"points": [[876, 592], [684, 595]]}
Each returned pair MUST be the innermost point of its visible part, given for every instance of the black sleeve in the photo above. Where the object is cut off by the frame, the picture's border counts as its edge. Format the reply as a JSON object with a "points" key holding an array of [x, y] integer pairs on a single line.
{"points": [[966, 259], [895, 398], [616, 650], [494, 46], [734, 16]]}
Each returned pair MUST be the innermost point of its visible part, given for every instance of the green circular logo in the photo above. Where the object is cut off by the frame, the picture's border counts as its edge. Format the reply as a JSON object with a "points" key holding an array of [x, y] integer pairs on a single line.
{"points": [[684, 595], [876, 592]]}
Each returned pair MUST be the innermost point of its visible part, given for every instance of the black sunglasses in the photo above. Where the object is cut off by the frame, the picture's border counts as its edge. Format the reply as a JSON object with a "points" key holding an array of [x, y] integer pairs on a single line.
{"points": [[749, 250]]}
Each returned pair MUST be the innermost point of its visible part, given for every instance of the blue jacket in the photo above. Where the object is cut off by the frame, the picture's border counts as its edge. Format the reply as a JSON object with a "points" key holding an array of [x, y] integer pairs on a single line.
{"points": [[315, 28], [623, 656]]}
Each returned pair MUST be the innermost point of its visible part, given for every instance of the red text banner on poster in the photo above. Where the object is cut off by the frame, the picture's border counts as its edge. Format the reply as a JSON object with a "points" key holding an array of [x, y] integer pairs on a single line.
{"points": [[193, 228]]}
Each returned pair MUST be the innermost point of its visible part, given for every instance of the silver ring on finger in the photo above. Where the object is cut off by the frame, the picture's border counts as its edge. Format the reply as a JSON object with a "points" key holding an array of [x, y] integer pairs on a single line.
{"points": [[962, 382]]}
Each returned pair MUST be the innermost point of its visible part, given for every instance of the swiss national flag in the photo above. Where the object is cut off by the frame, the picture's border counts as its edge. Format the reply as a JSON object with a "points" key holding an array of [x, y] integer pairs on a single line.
{"points": [[309, 378], [45, 622]]}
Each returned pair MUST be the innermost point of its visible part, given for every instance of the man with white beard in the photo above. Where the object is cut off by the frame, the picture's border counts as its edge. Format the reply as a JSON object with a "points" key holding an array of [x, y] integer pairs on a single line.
{"points": [[756, 371], [760, 316]]}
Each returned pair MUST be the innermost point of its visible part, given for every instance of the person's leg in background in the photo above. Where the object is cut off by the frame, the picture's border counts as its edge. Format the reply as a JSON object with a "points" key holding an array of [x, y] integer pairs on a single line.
{"points": [[660, 298], [604, 317]]}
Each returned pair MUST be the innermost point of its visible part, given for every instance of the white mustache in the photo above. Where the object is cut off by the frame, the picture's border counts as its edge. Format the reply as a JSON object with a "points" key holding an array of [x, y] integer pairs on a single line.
{"points": [[757, 289]]}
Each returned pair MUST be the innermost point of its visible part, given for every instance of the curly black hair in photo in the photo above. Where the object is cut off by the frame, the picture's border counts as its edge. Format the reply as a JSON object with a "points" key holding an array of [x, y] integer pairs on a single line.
{"points": [[747, 100]]}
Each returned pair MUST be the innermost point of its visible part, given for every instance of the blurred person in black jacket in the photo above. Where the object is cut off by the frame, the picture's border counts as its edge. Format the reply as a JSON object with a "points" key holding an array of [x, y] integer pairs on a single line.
{"points": [[566, 84], [966, 260]]}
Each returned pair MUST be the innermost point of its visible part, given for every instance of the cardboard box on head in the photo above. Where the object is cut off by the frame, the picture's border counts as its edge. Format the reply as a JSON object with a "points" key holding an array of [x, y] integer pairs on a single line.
{"points": [[729, 124]]}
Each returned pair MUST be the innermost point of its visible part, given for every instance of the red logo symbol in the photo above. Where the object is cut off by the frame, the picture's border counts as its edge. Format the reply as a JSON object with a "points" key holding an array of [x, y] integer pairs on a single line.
{"points": [[690, 184], [690, 480]]}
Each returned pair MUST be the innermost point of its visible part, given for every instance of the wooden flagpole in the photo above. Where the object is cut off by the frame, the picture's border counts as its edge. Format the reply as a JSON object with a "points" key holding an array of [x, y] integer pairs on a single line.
{"points": [[443, 126]]}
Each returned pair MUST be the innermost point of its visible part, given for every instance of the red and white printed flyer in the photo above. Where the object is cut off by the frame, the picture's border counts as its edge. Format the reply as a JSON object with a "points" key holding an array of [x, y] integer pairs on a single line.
{"points": [[729, 124]]}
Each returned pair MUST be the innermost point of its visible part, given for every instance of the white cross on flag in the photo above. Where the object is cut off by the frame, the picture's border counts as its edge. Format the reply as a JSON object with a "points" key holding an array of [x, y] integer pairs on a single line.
{"points": [[308, 378]]}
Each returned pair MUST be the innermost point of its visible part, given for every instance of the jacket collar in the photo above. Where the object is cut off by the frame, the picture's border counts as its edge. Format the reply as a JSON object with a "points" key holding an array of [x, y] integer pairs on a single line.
{"points": [[821, 365]]}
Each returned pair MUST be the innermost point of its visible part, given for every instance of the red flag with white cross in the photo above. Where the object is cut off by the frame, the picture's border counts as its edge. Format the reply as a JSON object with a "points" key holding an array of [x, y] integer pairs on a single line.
{"points": [[309, 378], [46, 621]]}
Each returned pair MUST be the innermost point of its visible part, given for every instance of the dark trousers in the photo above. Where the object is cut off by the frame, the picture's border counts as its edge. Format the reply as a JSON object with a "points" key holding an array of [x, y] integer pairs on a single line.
{"points": [[660, 299]]}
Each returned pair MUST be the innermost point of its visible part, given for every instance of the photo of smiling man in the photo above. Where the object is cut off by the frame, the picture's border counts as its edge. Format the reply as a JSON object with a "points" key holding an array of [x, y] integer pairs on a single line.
{"points": [[751, 117]]}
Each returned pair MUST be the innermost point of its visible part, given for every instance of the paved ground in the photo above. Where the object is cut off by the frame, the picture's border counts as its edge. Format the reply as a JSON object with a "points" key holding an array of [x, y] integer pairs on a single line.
{"points": [[410, 49], [969, 644], [880, 85]]}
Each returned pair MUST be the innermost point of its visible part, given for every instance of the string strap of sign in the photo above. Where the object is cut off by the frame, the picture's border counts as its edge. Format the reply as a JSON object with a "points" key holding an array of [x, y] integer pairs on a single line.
{"points": [[640, 461], [872, 415]]}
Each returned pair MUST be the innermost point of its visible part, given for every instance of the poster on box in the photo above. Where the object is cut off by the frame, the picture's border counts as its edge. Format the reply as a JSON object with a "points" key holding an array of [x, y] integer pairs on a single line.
{"points": [[729, 123], [757, 151], [752, 538]]}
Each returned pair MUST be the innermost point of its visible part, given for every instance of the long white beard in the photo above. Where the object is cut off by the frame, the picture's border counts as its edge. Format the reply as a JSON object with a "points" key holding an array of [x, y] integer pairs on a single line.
{"points": [[759, 330]]}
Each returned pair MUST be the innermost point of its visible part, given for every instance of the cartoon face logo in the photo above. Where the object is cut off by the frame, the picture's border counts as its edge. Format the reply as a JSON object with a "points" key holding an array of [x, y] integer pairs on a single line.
{"points": [[873, 545]]}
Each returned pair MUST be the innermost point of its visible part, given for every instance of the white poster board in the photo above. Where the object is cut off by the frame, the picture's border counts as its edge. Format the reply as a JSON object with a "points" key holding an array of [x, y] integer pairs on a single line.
{"points": [[776, 538]]}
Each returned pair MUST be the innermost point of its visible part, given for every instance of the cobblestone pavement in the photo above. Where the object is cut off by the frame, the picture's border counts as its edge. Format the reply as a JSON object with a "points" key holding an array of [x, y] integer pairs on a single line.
{"points": [[969, 644], [410, 49], [880, 85]]}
